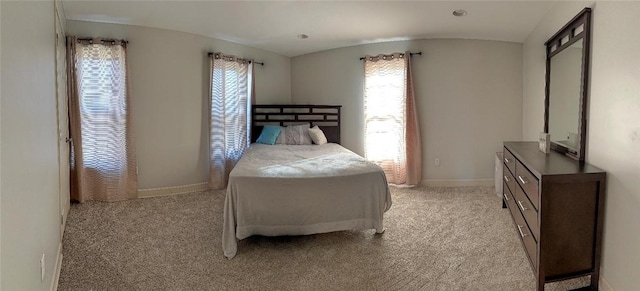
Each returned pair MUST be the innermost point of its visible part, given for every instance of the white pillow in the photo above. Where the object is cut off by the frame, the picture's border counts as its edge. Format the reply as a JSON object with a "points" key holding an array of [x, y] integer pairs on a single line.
{"points": [[317, 135], [295, 135]]}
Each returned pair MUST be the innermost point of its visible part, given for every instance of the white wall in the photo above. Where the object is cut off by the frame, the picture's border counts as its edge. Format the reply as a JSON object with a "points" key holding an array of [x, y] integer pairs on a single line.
{"points": [[468, 94], [29, 167], [169, 84], [613, 138], [613, 141], [0, 154]]}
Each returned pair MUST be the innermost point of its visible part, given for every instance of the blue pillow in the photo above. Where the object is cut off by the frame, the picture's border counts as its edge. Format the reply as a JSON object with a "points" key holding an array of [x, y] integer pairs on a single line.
{"points": [[269, 134]]}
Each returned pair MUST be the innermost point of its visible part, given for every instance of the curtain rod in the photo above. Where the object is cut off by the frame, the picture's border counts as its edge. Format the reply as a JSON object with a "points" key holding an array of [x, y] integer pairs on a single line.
{"points": [[259, 63], [101, 39], [418, 53]]}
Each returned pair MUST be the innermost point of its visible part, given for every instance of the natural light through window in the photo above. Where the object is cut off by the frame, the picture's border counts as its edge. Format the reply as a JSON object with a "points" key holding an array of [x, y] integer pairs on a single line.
{"points": [[102, 88], [232, 82], [384, 110], [229, 122]]}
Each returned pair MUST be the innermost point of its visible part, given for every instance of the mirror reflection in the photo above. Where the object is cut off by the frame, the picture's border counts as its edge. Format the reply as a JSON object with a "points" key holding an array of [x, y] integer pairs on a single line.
{"points": [[564, 96]]}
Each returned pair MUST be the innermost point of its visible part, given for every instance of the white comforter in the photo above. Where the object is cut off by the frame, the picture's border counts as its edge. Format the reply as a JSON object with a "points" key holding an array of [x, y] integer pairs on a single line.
{"points": [[298, 190]]}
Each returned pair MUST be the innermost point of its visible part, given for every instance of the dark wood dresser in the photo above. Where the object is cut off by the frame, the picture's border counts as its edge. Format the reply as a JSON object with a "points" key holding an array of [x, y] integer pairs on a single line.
{"points": [[557, 207]]}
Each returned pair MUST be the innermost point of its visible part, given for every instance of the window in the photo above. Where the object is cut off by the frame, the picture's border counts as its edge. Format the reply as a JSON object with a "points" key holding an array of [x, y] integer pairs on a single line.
{"points": [[103, 109], [103, 165], [231, 95], [392, 134], [384, 111], [233, 90]]}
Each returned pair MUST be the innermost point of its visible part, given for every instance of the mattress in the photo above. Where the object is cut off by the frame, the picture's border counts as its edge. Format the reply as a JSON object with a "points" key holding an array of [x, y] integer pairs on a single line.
{"points": [[302, 189]]}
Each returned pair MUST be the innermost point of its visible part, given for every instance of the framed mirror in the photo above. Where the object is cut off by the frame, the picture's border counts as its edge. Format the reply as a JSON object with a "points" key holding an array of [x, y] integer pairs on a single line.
{"points": [[567, 84]]}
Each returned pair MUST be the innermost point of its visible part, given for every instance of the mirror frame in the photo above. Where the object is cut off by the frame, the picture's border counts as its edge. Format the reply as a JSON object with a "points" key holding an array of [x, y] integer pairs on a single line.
{"points": [[582, 19]]}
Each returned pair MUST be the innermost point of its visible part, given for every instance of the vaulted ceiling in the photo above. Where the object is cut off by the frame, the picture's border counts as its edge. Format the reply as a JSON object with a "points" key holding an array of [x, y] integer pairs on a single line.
{"points": [[274, 25]]}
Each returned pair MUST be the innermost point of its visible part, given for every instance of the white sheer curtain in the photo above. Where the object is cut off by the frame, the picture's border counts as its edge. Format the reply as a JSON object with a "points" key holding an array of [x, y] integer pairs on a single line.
{"points": [[392, 136], [103, 149], [230, 98]]}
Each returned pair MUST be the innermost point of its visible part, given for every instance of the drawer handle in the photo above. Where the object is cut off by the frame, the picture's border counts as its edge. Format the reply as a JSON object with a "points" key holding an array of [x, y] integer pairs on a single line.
{"points": [[507, 179], [506, 160], [522, 206], [506, 197], [522, 234], [523, 180]]}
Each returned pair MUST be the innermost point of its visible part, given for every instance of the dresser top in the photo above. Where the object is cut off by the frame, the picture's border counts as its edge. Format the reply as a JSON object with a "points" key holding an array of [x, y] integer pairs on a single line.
{"points": [[547, 164]]}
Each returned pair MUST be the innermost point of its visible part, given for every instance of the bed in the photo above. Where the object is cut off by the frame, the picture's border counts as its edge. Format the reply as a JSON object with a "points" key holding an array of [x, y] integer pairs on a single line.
{"points": [[301, 189]]}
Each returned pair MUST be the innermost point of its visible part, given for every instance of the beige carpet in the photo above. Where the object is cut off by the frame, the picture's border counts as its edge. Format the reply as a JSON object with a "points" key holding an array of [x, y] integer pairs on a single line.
{"points": [[436, 239]]}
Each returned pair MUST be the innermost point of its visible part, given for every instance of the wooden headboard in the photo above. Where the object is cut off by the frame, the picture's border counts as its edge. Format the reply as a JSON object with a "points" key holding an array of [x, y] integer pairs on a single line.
{"points": [[326, 117]]}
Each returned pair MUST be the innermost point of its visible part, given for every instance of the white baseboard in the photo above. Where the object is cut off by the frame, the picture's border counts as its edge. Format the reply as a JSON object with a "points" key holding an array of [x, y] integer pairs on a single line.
{"points": [[604, 285], [157, 192], [56, 272], [458, 183]]}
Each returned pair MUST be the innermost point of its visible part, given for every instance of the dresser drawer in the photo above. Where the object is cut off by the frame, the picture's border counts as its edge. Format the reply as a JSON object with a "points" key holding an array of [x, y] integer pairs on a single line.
{"points": [[530, 214], [508, 179], [524, 233], [506, 194], [509, 160], [509, 199], [528, 182]]}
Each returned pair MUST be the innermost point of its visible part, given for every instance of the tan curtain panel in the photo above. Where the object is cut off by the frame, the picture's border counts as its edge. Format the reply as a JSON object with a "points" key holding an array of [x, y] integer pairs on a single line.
{"points": [[413, 139], [103, 163], [230, 95], [392, 134]]}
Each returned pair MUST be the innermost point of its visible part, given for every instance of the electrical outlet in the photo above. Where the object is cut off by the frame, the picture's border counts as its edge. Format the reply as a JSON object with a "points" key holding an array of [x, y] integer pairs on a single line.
{"points": [[42, 268], [436, 161]]}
